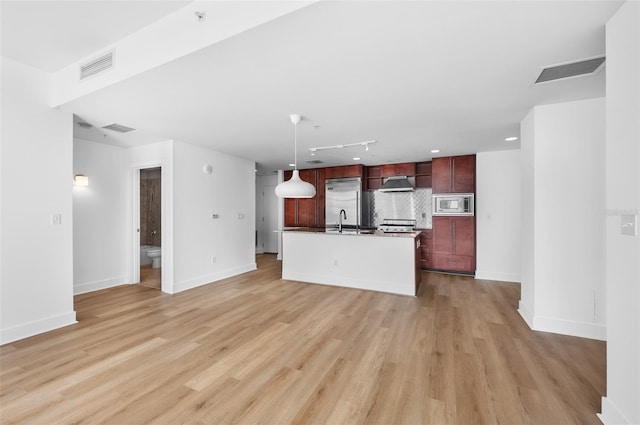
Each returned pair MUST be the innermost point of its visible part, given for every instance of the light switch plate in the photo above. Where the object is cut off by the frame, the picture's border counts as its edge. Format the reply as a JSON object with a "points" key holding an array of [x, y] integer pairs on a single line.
{"points": [[629, 224]]}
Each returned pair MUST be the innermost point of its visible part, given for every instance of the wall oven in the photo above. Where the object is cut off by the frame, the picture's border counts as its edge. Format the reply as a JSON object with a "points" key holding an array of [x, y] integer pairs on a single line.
{"points": [[452, 204]]}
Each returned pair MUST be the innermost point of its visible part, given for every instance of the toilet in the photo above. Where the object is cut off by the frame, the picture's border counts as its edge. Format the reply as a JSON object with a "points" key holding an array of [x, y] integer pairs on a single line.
{"points": [[154, 255]]}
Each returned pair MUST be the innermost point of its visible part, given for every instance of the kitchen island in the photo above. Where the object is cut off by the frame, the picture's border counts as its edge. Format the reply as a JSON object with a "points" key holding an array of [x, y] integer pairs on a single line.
{"points": [[373, 260]]}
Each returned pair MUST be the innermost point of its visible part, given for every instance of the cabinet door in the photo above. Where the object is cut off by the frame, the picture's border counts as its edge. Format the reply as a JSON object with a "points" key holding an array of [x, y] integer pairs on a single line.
{"points": [[464, 234], [307, 212], [417, 264], [455, 174], [423, 174], [454, 243], [443, 235], [426, 249], [441, 175], [344, 171], [463, 172], [373, 180], [290, 212], [303, 211], [320, 197], [402, 169]]}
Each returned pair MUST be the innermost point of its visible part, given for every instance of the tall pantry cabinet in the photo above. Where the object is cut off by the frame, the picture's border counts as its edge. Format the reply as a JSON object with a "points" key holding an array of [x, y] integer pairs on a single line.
{"points": [[454, 237]]}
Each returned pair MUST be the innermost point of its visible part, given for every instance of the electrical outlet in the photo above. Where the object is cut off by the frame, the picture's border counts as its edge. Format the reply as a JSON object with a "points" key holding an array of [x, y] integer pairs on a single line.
{"points": [[56, 218], [335, 263], [240, 216], [213, 260], [629, 224]]}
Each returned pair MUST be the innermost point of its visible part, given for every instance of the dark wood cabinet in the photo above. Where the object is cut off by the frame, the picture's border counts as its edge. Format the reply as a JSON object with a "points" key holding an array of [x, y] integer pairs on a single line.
{"points": [[454, 246], [290, 210], [423, 175], [373, 179], [356, 170], [306, 212], [454, 174], [407, 169], [426, 249], [418, 267]]}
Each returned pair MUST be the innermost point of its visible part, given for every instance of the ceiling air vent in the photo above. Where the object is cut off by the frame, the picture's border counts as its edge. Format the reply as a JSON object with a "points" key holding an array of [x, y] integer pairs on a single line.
{"points": [[119, 128], [96, 66], [83, 124], [568, 70], [314, 161]]}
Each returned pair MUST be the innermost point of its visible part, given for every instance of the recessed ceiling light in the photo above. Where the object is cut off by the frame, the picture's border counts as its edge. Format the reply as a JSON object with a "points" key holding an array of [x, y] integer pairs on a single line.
{"points": [[435, 150], [292, 165], [511, 139], [356, 158]]}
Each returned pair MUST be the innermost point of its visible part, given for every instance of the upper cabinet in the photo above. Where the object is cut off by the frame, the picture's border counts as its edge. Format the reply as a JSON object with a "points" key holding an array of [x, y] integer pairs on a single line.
{"points": [[306, 212], [344, 171], [373, 179], [454, 174], [375, 175], [407, 169], [423, 175]]}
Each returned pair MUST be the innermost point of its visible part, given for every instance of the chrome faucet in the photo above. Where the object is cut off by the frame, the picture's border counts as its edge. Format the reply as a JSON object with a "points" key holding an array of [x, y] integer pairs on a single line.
{"points": [[340, 216]]}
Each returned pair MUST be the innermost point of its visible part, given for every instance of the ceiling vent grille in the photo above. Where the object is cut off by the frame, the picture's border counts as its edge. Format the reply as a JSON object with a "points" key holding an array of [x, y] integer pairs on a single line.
{"points": [[96, 66], [315, 161], [119, 128], [569, 70], [83, 124]]}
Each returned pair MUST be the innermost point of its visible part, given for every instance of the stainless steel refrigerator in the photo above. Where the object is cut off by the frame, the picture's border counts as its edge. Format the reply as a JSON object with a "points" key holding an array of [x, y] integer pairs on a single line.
{"points": [[346, 194]]}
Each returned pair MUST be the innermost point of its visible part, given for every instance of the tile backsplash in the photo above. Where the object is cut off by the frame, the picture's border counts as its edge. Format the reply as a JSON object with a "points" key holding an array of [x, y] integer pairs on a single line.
{"points": [[414, 205]]}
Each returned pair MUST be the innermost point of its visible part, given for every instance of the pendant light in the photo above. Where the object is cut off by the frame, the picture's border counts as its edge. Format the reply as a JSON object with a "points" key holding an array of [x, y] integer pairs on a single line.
{"points": [[295, 187]]}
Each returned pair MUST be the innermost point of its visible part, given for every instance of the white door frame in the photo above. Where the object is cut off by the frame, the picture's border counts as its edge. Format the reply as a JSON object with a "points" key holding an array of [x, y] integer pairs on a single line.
{"points": [[134, 271]]}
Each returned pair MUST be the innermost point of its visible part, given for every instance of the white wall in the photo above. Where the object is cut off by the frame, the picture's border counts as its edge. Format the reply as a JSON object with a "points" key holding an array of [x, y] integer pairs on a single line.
{"points": [[498, 215], [228, 191], [621, 405], [36, 269], [527, 270], [100, 248], [567, 193]]}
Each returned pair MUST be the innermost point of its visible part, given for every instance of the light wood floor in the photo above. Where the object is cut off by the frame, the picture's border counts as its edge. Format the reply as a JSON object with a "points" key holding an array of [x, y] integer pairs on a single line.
{"points": [[150, 277], [256, 349]]}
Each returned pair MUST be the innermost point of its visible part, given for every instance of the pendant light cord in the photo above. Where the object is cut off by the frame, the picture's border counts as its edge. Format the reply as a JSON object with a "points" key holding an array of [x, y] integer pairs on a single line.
{"points": [[295, 146]]}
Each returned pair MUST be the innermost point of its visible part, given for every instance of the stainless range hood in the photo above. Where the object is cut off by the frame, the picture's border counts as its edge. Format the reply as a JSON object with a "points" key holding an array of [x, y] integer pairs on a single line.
{"points": [[397, 184]]}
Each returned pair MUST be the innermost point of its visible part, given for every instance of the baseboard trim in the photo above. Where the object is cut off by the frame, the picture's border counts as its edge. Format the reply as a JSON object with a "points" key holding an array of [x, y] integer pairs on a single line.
{"points": [[83, 288], [36, 327], [561, 326], [611, 415], [526, 314], [204, 280], [498, 276]]}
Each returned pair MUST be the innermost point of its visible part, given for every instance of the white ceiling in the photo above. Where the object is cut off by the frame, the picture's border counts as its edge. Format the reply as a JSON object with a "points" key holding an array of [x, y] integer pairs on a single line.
{"points": [[50, 35], [415, 76]]}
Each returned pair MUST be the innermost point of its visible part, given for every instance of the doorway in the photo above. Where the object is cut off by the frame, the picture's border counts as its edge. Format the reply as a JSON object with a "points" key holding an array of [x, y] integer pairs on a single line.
{"points": [[269, 224], [150, 229]]}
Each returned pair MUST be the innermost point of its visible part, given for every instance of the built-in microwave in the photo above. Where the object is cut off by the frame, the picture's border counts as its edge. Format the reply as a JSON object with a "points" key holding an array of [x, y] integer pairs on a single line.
{"points": [[452, 204]]}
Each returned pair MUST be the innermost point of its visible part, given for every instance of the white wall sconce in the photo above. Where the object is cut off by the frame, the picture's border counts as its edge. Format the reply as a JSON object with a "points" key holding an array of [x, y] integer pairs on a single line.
{"points": [[80, 180]]}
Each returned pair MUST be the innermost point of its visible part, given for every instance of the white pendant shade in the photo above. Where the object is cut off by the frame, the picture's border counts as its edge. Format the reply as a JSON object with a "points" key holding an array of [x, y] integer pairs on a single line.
{"points": [[295, 187]]}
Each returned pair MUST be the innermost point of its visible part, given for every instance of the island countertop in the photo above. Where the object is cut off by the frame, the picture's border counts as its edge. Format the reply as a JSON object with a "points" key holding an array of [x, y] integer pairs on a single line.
{"points": [[378, 261], [352, 232]]}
